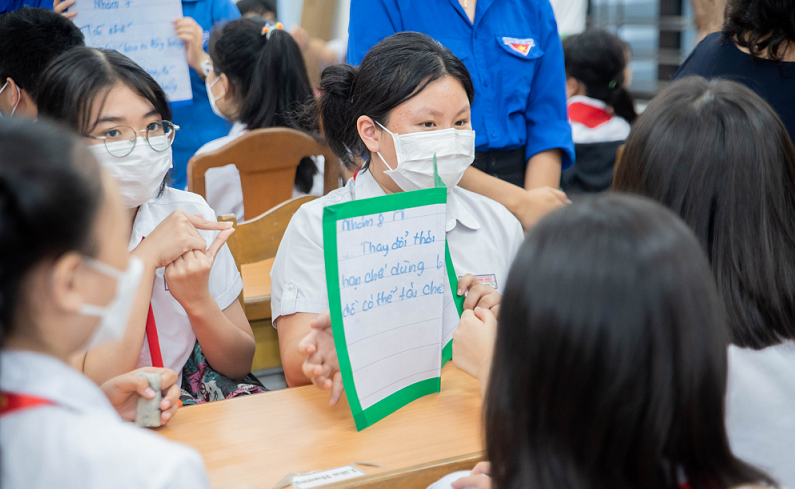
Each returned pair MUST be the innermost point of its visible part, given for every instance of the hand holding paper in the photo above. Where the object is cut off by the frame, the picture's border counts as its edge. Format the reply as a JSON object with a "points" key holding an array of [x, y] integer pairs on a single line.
{"points": [[321, 364]]}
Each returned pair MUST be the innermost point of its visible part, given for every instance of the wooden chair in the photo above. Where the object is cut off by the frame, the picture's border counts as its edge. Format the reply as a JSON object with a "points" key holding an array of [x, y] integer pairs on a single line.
{"points": [[419, 476], [254, 244], [267, 160]]}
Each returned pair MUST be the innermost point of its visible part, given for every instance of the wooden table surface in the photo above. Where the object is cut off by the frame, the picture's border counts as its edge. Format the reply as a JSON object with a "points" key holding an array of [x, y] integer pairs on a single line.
{"points": [[254, 441]]}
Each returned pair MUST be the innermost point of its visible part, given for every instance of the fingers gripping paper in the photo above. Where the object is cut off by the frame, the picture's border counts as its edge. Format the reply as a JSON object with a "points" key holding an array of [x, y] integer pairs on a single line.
{"points": [[387, 277], [143, 31]]}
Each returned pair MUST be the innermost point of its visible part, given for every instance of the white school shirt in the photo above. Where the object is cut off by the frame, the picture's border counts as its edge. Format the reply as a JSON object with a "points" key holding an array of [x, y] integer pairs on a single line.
{"points": [[760, 409], [224, 190], [483, 236], [592, 122], [80, 441], [174, 330]]}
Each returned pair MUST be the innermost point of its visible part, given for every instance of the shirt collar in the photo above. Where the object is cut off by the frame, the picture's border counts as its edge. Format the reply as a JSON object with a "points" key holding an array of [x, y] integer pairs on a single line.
{"points": [[365, 187], [40, 375]]}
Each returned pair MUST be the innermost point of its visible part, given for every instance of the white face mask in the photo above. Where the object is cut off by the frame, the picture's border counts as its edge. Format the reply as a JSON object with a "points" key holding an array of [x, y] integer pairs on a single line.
{"points": [[140, 173], [454, 149], [209, 86], [19, 98], [114, 316]]}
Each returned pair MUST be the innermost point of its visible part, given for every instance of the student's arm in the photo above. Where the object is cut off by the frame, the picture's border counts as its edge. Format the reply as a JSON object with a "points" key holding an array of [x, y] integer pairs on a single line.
{"points": [[291, 330], [546, 113], [370, 22], [225, 336], [543, 170], [527, 205], [172, 238]]}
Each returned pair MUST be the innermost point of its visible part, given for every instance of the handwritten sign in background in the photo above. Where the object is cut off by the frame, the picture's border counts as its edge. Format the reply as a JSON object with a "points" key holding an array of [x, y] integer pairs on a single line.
{"points": [[392, 287], [143, 31]]}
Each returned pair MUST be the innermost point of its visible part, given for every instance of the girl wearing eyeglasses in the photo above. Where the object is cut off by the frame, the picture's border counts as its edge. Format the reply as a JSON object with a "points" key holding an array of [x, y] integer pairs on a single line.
{"points": [[186, 315]]}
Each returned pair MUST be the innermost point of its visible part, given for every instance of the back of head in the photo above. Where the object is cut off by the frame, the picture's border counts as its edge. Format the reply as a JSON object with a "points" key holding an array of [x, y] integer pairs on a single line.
{"points": [[761, 25], [717, 155], [29, 39], [267, 73], [596, 59], [50, 192], [79, 80], [391, 73], [610, 359], [261, 8]]}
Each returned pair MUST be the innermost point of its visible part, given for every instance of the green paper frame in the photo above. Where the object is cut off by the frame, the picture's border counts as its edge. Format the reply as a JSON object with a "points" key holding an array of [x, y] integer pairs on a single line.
{"points": [[331, 214]]}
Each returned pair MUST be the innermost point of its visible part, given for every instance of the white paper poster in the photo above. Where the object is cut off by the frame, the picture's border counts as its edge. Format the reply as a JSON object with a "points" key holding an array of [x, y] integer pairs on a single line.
{"points": [[142, 30]]}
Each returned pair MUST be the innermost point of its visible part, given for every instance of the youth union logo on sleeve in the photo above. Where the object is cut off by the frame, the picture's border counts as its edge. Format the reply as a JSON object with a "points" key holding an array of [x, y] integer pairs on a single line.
{"points": [[521, 46]]}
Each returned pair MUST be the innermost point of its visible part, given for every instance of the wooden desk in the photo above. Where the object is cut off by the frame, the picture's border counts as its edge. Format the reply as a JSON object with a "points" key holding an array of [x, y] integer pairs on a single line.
{"points": [[255, 441], [257, 289]]}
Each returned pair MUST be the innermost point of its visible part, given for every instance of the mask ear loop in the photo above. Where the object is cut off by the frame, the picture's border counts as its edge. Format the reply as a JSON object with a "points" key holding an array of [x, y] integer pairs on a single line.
{"points": [[378, 152]]}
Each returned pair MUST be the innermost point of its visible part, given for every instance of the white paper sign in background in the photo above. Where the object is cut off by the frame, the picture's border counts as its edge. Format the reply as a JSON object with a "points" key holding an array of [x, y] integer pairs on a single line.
{"points": [[143, 31]]}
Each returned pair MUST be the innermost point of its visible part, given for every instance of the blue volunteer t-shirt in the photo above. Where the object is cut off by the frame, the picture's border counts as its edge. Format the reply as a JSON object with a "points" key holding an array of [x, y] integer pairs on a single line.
{"points": [[11, 5], [512, 51]]}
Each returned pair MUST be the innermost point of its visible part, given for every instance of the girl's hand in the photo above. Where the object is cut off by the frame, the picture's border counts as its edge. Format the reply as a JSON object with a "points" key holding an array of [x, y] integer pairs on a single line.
{"points": [[124, 391], [479, 479], [321, 364], [59, 6], [174, 236], [192, 35], [478, 295], [473, 343], [188, 276], [537, 203]]}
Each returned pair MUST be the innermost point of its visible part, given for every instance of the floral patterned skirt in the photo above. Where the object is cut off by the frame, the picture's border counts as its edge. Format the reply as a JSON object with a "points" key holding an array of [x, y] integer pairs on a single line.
{"points": [[200, 383]]}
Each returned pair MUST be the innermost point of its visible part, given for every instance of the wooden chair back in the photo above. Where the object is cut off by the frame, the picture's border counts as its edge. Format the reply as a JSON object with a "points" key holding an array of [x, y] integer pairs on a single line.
{"points": [[267, 160], [419, 476], [258, 239]]}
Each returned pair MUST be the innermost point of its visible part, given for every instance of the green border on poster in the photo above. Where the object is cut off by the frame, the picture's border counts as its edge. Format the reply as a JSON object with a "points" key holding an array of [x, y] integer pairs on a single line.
{"points": [[388, 203]]}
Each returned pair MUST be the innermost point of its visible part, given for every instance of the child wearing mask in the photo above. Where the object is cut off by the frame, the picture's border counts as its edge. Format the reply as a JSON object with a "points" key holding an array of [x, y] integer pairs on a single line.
{"points": [[410, 92], [256, 77], [186, 314], [67, 284]]}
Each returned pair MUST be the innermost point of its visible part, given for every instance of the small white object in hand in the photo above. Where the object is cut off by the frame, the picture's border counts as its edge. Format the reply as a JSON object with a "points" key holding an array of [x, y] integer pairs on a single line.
{"points": [[148, 411]]}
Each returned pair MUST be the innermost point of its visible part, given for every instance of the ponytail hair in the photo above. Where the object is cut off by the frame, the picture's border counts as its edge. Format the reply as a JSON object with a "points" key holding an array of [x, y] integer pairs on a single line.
{"points": [[393, 71], [50, 192], [597, 59], [268, 79]]}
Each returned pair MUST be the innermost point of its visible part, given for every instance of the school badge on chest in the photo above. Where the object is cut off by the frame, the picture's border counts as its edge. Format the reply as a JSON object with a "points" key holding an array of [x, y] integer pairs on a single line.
{"points": [[521, 46]]}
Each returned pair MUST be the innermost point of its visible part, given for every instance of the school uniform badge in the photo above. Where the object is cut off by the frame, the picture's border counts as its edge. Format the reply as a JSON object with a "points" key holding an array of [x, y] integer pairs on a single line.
{"points": [[521, 46]]}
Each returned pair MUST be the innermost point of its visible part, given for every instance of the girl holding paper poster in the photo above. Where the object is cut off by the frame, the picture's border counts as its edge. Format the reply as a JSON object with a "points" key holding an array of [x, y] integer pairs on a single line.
{"points": [[410, 94], [186, 314]]}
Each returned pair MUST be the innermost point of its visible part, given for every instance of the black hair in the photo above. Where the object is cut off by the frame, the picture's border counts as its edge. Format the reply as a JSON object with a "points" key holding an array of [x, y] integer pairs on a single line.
{"points": [[50, 192], [393, 71], [610, 359], [258, 7], [82, 77], [29, 39], [597, 58], [762, 26], [716, 154], [268, 79]]}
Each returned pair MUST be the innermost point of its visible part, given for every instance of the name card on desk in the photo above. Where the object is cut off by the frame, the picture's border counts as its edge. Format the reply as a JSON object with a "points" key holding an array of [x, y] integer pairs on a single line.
{"points": [[388, 274], [143, 31]]}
